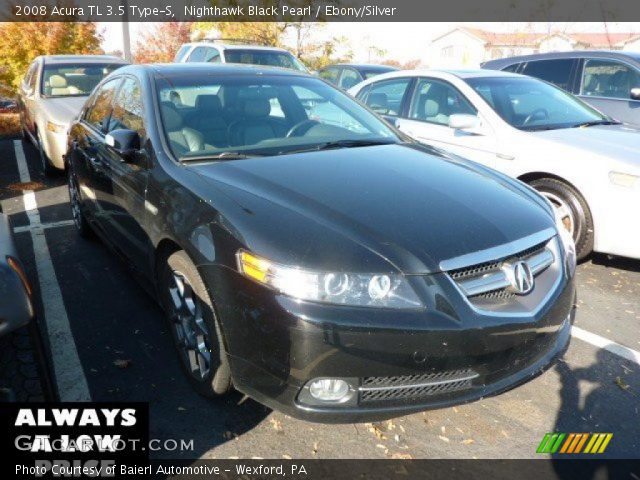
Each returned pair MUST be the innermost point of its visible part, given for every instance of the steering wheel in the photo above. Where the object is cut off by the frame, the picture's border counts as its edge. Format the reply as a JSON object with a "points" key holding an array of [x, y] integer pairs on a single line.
{"points": [[536, 112], [301, 128]]}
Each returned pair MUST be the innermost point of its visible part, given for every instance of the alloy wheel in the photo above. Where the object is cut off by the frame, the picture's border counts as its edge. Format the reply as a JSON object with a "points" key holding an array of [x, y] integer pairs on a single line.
{"points": [[191, 331], [564, 211], [74, 201]]}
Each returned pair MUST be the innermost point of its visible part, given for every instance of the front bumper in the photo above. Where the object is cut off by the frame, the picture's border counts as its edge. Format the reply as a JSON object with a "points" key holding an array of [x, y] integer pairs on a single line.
{"points": [[275, 345], [16, 309], [55, 146]]}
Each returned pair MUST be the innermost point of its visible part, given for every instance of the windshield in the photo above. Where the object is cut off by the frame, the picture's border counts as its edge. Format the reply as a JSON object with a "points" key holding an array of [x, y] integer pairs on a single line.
{"points": [[207, 116], [530, 104], [73, 80], [273, 58]]}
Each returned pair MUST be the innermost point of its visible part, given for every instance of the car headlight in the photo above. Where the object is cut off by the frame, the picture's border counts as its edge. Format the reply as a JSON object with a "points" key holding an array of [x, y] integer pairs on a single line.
{"points": [[355, 289], [626, 180], [56, 128]]}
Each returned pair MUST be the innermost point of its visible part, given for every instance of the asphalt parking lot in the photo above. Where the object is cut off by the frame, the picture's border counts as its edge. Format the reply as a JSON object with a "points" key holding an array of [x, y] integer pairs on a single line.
{"points": [[107, 341]]}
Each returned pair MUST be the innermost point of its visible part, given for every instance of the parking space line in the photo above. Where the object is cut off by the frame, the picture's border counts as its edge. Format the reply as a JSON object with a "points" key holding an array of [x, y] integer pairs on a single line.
{"points": [[36, 227], [68, 372], [606, 344]]}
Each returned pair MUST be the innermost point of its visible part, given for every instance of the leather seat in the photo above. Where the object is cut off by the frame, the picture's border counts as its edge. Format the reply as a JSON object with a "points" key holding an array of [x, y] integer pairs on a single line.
{"points": [[57, 85], [183, 139], [255, 124], [208, 120]]}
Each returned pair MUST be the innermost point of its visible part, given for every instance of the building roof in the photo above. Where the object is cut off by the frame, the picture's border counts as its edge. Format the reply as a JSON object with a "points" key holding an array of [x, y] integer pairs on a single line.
{"points": [[593, 40]]}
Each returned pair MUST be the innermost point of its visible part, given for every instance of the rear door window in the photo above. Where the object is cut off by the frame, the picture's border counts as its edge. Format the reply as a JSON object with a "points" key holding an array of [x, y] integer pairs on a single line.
{"points": [[556, 71], [181, 53], [349, 78], [198, 54], [330, 74], [386, 97], [609, 79]]}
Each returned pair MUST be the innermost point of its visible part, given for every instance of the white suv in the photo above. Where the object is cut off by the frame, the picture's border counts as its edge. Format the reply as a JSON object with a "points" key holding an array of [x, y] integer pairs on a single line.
{"points": [[221, 52]]}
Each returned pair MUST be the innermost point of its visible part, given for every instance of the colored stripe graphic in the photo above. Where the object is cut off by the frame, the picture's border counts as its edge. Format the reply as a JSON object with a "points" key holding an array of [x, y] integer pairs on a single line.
{"points": [[574, 443]]}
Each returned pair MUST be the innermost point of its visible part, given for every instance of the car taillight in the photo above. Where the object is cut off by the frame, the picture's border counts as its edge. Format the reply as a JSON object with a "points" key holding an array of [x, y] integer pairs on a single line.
{"points": [[16, 267]]}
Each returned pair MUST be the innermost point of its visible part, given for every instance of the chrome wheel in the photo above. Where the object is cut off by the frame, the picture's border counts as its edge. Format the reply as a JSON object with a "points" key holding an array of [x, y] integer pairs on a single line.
{"points": [[74, 201], [563, 210], [192, 333]]}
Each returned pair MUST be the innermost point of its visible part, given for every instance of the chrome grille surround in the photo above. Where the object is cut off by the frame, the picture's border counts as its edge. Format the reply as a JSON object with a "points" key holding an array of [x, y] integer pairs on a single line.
{"points": [[486, 286]]}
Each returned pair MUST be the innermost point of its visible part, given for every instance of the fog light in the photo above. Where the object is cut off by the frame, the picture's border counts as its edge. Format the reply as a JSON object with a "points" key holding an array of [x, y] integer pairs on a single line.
{"points": [[329, 389]]}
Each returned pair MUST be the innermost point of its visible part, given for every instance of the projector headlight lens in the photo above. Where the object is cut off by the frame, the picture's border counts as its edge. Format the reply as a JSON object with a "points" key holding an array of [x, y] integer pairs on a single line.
{"points": [[355, 289]]}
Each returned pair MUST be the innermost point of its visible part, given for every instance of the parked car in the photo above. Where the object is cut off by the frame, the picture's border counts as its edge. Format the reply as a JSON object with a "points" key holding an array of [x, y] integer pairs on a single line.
{"points": [[51, 94], [214, 51], [335, 272], [347, 75], [16, 309], [8, 105], [584, 163], [607, 80]]}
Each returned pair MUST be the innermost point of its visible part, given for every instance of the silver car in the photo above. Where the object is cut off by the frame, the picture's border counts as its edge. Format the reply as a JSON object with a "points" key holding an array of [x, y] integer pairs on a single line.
{"points": [[586, 164], [52, 93]]}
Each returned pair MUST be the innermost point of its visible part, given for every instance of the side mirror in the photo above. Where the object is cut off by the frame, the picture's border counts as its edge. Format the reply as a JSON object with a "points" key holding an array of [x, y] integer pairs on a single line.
{"points": [[125, 142], [463, 121], [635, 93]]}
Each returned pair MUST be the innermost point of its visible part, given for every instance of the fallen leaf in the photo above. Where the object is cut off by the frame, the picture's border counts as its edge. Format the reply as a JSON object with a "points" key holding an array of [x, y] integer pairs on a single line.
{"points": [[277, 425], [444, 439], [468, 441], [401, 456], [622, 384], [122, 363]]}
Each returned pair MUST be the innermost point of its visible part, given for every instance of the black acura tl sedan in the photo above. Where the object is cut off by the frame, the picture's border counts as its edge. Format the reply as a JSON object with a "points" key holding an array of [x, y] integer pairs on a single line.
{"points": [[311, 256]]}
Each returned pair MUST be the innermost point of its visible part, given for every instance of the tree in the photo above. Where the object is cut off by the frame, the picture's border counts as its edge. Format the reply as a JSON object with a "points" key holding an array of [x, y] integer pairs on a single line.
{"points": [[21, 42], [161, 43]]}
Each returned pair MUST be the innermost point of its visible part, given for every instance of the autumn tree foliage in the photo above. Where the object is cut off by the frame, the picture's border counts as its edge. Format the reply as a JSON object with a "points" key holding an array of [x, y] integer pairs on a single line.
{"points": [[21, 42], [161, 42]]}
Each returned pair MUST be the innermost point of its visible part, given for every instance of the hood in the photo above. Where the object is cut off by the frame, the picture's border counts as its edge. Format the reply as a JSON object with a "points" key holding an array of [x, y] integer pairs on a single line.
{"points": [[619, 142], [410, 207], [64, 109]]}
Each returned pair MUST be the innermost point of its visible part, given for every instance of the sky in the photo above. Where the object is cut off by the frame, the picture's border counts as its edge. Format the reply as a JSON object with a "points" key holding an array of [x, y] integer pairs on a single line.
{"points": [[391, 36]]}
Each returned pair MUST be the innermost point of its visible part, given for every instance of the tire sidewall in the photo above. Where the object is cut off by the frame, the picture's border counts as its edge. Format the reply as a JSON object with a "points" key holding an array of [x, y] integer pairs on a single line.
{"points": [[217, 381], [583, 222]]}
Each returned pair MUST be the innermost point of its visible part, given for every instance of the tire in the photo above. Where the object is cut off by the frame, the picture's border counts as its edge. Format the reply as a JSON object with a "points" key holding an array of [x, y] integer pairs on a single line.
{"points": [[79, 219], [45, 163], [194, 326], [19, 375], [578, 219]]}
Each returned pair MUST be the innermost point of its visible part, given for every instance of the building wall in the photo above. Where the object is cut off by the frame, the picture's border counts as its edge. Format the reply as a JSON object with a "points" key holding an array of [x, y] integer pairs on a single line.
{"points": [[556, 44], [455, 50]]}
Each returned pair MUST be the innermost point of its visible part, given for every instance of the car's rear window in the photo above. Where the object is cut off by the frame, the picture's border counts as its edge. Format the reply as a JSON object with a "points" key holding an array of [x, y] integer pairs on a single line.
{"points": [[273, 58], [74, 79]]}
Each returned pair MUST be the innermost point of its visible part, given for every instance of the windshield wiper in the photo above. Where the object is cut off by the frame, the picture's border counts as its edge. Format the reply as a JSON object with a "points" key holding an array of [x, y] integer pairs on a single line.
{"points": [[353, 143], [595, 122], [218, 156]]}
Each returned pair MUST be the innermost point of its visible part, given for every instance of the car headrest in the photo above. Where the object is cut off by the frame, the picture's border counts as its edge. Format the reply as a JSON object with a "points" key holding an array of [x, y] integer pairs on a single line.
{"points": [[171, 118], [431, 108], [210, 103], [257, 107], [378, 100], [57, 81]]}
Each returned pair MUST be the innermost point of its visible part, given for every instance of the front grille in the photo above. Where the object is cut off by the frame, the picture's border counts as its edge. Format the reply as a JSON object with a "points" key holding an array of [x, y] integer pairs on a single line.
{"points": [[486, 285], [415, 387], [488, 267]]}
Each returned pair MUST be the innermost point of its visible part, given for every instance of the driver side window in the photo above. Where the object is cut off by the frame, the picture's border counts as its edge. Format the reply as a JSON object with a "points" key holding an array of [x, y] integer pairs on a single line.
{"points": [[435, 101], [99, 113]]}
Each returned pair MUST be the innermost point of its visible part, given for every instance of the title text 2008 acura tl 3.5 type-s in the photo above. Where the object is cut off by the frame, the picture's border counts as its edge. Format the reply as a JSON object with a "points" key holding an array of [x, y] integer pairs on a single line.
{"points": [[309, 255]]}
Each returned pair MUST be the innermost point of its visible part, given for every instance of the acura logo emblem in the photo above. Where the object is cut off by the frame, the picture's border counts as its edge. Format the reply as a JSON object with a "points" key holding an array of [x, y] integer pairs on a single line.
{"points": [[519, 276]]}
